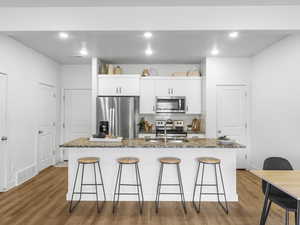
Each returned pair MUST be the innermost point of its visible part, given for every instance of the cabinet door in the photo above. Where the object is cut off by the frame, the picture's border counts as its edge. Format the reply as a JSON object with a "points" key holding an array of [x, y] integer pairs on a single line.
{"points": [[169, 87], [108, 86], [123, 85], [147, 96], [193, 95]]}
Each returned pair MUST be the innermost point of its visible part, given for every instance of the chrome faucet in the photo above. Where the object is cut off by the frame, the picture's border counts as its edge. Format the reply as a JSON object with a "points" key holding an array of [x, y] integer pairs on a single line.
{"points": [[165, 129]]}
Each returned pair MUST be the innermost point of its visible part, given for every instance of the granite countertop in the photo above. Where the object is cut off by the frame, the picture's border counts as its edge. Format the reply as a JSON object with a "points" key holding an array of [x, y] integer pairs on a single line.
{"points": [[141, 143]]}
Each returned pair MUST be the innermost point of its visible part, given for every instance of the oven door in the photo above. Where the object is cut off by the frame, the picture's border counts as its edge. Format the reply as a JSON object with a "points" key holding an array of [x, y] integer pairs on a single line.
{"points": [[170, 104]]}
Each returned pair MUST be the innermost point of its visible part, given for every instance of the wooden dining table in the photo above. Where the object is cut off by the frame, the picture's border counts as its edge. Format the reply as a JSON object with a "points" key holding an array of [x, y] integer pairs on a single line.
{"points": [[287, 181]]}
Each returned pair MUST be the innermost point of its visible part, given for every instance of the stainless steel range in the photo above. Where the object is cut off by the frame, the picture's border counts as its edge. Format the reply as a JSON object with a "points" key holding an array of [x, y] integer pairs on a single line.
{"points": [[170, 128]]}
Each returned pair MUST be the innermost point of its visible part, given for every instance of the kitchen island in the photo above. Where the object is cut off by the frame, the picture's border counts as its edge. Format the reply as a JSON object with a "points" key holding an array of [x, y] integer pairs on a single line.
{"points": [[149, 153]]}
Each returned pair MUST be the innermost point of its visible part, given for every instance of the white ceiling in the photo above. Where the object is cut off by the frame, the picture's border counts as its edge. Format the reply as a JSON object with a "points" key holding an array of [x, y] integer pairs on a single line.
{"points": [[45, 3], [129, 46]]}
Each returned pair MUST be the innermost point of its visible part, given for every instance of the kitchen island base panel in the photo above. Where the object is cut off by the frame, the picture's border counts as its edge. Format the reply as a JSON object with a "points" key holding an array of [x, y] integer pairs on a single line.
{"points": [[149, 171]]}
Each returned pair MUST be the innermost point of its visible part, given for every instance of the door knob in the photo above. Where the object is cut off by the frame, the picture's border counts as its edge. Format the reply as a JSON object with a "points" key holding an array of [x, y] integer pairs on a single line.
{"points": [[4, 138], [40, 131], [219, 131]]}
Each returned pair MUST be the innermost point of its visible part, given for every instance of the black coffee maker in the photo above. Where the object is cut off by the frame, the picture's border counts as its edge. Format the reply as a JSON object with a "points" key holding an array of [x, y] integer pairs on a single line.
{"points": [[103, 128]]}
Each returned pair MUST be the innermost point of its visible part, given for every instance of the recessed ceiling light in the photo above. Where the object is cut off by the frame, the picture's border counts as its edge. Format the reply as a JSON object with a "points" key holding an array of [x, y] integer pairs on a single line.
{"points": [[148, 51], [63, 35], [215, 51], [233, 34], [83, 51], [148, 35]]}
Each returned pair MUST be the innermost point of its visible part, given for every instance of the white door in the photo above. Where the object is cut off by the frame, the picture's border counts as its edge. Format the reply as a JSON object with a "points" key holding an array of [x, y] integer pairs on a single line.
{"points": [[3, 132], [77, 115], [46, 126], [232, 117]]}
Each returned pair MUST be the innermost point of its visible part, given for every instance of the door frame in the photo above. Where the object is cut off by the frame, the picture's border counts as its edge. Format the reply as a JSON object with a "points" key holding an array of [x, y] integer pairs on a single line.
{"points": [[6, 183], [247, 111], [38, 164]]}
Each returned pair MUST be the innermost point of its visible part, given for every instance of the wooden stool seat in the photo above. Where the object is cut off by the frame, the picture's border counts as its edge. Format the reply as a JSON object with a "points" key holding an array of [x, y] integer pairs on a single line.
{"points": [[170, 160], [88, 160], [128, 160], [210, 160]]}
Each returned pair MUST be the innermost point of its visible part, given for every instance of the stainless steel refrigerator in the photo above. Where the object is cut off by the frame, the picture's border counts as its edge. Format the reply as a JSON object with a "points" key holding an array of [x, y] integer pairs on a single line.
{"points": [[121, 113]]}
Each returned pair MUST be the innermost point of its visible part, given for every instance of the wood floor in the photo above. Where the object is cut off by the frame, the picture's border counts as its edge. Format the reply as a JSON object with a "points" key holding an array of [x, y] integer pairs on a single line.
{"points": [[41, 201]]}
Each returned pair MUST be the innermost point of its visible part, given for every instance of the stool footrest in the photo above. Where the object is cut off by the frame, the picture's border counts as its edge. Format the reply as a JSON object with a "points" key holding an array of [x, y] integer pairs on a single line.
{"points": [[92, 184], [212, 185], [169, 184], [126, 193], [84, 193], [168, 193], [212, 193], [130, 185]]}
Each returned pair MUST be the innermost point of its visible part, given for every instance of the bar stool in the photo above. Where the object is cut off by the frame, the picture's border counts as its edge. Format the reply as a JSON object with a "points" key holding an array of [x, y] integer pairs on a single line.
{"points": [[214, 162], [138, 185], [85, 161], [169, 161]]}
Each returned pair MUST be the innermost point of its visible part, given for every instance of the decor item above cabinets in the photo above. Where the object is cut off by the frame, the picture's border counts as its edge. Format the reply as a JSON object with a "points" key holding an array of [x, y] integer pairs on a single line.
{"points": [[119, 85]]}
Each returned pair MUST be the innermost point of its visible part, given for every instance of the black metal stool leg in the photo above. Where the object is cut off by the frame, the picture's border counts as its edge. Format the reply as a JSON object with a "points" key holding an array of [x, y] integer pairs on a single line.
{"points": [[81, 185], [217, 183], [159, 186], [201, 186], [223, 186], [139, 176], [102, 182], [96, 188], [115, 191], [74, 185], [120, 181], [195, 185], [138, 188], [181, 189]]}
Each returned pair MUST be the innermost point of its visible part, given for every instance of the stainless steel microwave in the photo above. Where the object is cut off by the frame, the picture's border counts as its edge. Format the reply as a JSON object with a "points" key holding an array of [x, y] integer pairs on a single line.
{"points": [[170, 104]]}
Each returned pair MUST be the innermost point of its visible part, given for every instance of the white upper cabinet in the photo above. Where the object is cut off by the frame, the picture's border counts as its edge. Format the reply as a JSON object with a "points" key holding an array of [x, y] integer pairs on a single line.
{"points": [[119, 85], [193, 95], [169, 87], [189, 87], [147, 96]]}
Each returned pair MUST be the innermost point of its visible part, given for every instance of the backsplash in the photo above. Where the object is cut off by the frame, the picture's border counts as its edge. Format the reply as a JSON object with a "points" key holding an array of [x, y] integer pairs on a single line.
{"points": [[187, 119]]}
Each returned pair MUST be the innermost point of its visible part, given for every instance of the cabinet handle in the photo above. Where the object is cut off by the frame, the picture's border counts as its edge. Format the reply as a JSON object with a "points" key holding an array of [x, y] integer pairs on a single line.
{"points": [[120, 90], [172, 91], [117, 89], [153, 108], [187, 108]]}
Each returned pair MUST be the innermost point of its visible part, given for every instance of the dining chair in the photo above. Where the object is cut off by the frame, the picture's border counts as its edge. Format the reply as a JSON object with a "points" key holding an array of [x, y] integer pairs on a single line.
{"points": [[277, 196]]}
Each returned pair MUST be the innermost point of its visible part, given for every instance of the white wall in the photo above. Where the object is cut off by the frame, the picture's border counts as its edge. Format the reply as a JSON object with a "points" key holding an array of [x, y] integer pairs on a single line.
{"points": [[276, 103], [76, 76], [25, 68], [222, 71]]}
